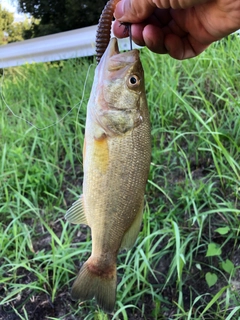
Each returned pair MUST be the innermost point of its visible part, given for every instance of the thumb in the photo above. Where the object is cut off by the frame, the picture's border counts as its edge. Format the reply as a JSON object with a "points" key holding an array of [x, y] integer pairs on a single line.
{"points": [[133, 11]]}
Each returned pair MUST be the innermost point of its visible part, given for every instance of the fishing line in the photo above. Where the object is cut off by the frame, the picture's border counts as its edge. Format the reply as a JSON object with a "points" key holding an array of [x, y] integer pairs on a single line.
{"points": [[51, 125]]}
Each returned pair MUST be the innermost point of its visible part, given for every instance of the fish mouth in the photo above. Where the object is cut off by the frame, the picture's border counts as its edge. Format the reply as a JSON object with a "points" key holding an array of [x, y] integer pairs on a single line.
{"points": [[111, 50], [112, 59], [113, 47]]}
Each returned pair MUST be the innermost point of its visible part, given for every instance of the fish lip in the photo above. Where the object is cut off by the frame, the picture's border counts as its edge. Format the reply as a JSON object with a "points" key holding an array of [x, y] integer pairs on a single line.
{"points": [[113, 47], [112, 50], [113, 59]]}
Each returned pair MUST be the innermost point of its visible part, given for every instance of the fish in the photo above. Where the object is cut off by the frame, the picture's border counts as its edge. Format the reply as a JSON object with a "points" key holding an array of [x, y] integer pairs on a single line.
{"points": [[116, 162]]}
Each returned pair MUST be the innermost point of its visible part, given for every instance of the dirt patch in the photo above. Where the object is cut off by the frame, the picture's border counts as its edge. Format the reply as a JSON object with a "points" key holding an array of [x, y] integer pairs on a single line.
{"points": [[37, 307]]}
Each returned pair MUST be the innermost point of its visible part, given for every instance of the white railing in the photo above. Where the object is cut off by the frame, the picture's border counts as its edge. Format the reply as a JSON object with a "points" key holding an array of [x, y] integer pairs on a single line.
{"points": [[64, 45]]}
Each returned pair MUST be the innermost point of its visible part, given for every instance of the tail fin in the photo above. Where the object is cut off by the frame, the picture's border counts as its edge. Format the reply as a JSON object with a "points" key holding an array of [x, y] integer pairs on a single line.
{"points": [[92, 282]]}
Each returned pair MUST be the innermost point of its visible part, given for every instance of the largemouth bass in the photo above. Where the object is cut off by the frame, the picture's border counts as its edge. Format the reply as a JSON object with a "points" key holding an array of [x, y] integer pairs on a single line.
{"points": [[116, 161]]}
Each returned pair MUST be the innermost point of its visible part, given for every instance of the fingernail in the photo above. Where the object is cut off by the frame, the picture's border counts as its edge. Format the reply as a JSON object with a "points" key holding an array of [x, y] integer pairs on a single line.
{"points": [[119, 12]]}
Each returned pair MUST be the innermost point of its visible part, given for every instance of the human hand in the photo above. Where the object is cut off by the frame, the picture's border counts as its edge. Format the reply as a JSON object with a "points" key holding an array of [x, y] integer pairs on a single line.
{"points": [[181, 28]]}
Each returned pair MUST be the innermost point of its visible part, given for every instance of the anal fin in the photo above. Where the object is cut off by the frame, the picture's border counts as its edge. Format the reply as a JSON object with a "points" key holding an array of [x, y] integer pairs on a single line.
{"points": [[131, 234], [76, 214]]}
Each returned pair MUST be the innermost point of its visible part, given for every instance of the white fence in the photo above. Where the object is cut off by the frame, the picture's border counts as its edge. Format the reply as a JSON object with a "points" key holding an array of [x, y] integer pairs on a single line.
{"points": [[64, 45]]}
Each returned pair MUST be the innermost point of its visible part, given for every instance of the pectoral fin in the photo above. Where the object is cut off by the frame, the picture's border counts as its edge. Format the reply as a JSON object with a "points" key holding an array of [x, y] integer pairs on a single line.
{"points": [[76, 213], [131, 234]]}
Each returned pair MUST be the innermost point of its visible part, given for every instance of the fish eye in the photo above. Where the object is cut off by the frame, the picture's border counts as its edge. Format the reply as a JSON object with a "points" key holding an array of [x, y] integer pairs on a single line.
{"points": [[133, 81]]}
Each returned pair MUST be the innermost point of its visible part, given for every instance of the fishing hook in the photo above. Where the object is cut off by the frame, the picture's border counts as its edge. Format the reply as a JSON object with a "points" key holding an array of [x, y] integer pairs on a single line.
{"points": [[130, 35], [128, 30]]}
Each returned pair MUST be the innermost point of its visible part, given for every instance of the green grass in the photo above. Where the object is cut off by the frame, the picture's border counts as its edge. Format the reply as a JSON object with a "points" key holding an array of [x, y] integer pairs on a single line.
{"points": [[182, 266]]}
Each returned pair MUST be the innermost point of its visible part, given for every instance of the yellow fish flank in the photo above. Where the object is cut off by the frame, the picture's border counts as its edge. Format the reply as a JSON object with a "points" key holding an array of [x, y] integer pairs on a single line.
{"points": [[116, 163]]}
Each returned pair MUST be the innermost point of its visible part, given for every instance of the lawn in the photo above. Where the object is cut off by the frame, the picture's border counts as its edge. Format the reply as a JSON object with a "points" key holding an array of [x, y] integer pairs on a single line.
{"points": [[186, 261]]}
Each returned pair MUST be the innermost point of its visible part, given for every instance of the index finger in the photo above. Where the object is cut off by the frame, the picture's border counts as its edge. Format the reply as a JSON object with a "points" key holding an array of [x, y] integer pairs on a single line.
{"points": [[133, 11]]}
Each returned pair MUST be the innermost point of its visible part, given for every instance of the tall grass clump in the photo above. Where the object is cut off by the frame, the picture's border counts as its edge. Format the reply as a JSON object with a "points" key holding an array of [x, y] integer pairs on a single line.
{"points": [[185, 263]]}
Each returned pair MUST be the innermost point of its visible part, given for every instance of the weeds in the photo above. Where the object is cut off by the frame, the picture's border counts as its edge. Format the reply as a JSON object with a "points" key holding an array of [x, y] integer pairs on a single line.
{"points": [[185, 263]]}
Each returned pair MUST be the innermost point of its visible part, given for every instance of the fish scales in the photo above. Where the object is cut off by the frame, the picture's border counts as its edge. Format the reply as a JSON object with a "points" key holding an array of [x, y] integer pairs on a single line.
{"points": [[117, 152], [120, 191]]}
